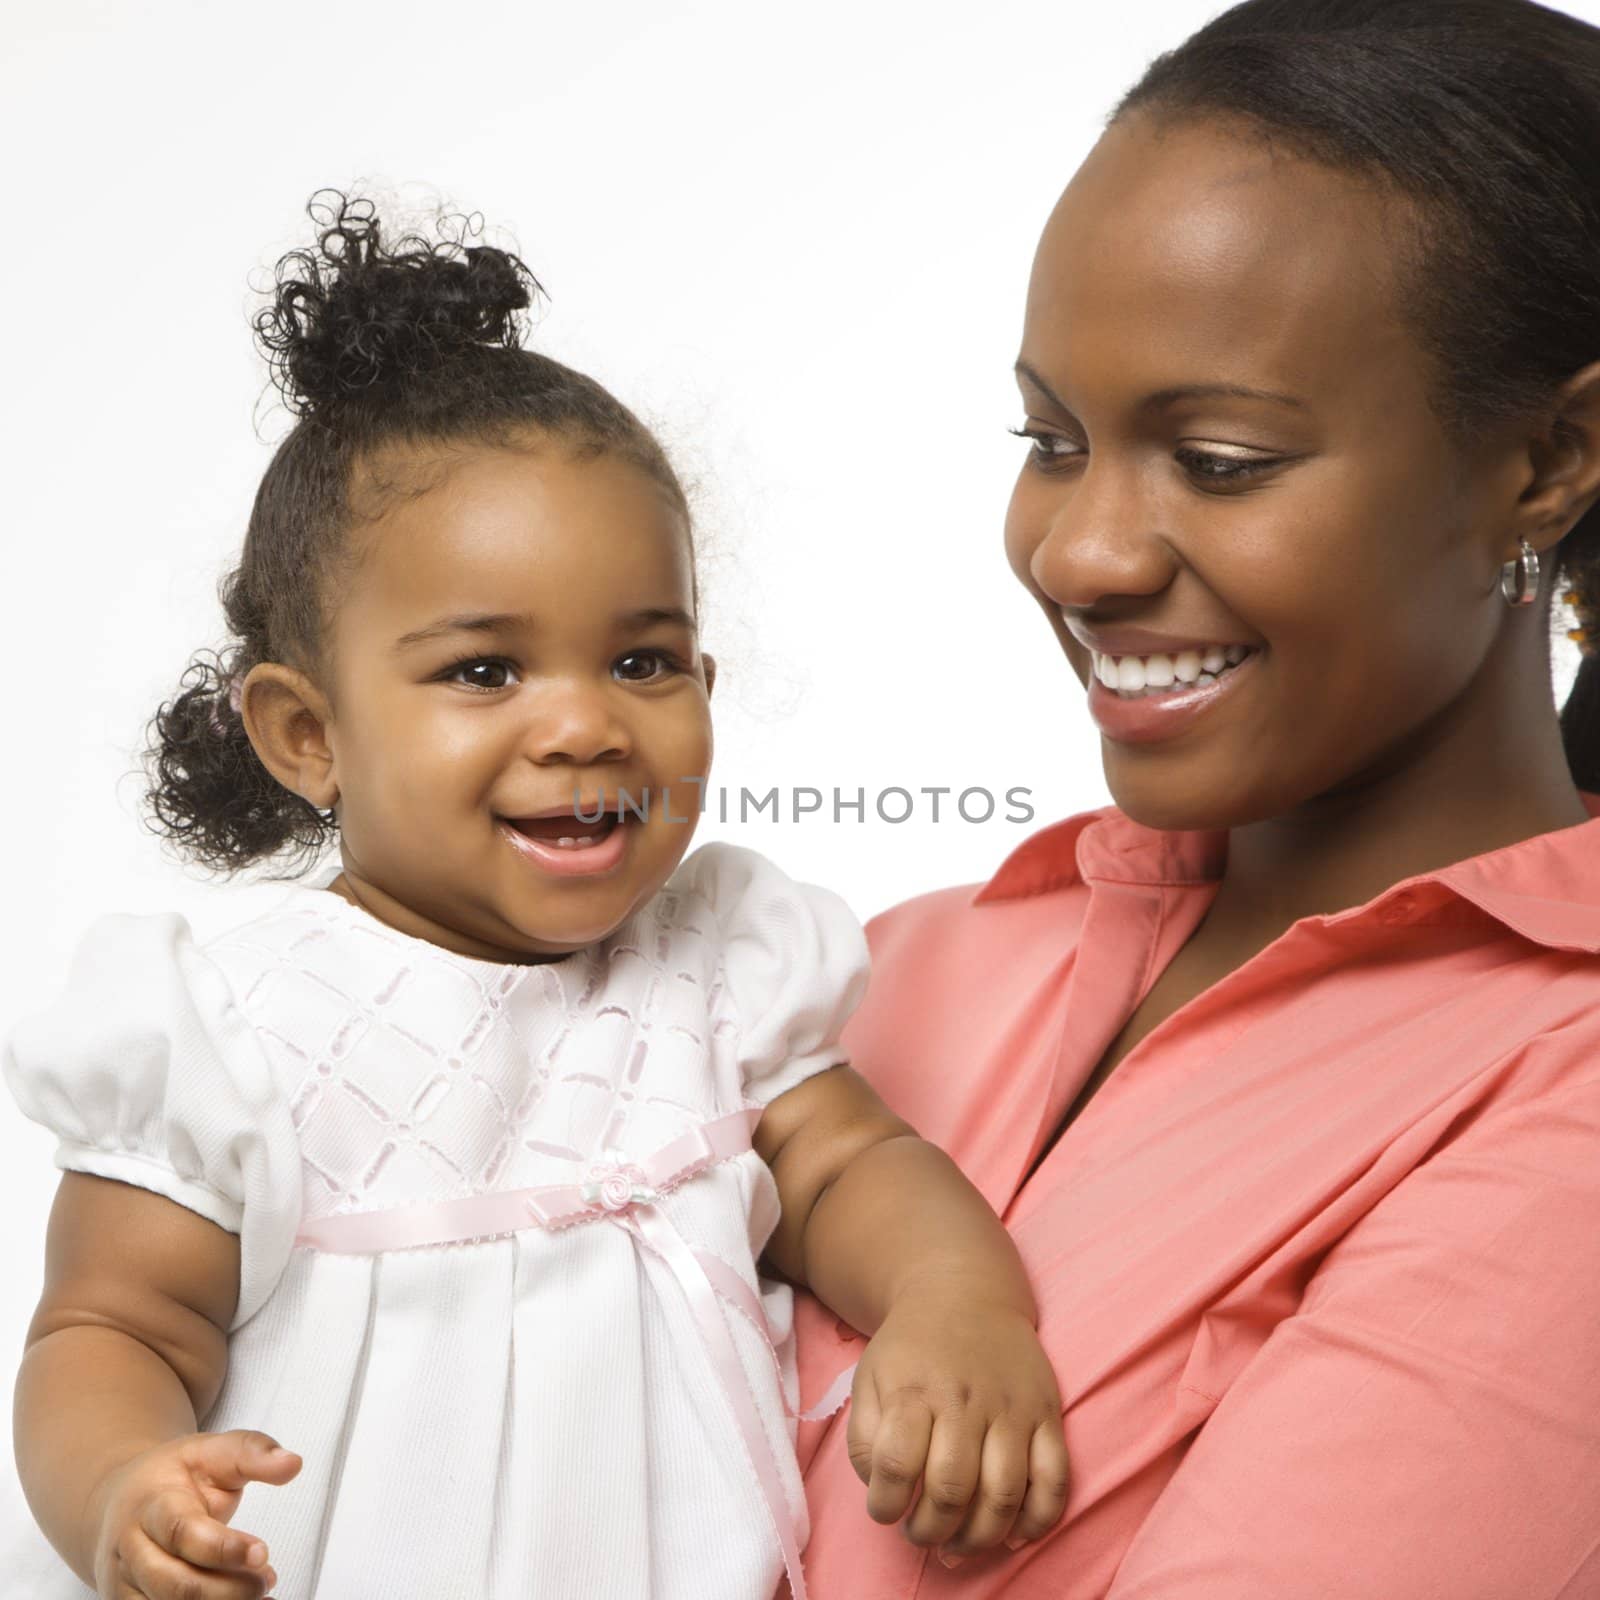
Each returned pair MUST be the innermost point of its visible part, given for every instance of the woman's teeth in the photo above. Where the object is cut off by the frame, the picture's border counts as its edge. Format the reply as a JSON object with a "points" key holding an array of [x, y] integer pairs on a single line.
{"points": [[1135, 676]]}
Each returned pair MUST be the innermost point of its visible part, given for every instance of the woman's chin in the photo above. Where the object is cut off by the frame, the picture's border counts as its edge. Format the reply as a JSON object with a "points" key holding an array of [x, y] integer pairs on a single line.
{"points": [[1177, 804]]}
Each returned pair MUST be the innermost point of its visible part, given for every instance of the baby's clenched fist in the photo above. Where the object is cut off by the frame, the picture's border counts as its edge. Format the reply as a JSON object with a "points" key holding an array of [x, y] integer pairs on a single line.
{"points": [[956, 1418]]}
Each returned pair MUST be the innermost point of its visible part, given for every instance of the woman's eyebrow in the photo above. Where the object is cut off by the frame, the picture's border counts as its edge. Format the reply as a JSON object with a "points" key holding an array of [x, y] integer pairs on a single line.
{"points": [[1160, 398], [1034, 381], [1215, 391]]}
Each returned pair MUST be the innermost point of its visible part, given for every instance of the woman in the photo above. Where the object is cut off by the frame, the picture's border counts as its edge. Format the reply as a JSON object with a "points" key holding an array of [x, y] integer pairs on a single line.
{"points": [[1285, 1070]]}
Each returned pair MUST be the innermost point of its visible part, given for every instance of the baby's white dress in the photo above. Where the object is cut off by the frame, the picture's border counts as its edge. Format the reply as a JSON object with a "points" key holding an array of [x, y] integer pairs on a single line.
{"points": [[531, 1416]]}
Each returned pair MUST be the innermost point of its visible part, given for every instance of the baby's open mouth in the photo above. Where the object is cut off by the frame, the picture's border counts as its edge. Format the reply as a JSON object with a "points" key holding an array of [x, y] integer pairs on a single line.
{"points": [[566, 831]]}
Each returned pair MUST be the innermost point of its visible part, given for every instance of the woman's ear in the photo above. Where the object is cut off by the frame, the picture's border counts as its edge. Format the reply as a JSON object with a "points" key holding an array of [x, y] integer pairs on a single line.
{"points": [[709, 665], [287, 717], [1564, 464]]}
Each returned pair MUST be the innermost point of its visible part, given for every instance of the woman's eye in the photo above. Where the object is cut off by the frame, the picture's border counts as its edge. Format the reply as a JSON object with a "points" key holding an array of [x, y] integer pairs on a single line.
{"points": [[1213, 468], [1049, 449], [644, 666], [481, 672]]}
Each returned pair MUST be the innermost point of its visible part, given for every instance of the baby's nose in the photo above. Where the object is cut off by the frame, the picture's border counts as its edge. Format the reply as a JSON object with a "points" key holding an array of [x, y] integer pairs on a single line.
{"points": [[576, 723]]}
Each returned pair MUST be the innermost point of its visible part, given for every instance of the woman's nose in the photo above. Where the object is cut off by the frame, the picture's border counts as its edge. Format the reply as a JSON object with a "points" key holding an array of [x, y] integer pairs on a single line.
{"points": [[577, 724], [1100, 539]]}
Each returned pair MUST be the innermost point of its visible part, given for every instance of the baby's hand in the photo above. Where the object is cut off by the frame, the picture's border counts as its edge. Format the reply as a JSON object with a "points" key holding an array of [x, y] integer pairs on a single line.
{"points": [[161, 1520], [962, 1397]]}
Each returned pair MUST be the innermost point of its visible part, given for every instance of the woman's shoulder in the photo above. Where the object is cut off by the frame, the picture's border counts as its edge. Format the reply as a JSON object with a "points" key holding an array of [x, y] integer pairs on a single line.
{"points": [[1029, 905]]}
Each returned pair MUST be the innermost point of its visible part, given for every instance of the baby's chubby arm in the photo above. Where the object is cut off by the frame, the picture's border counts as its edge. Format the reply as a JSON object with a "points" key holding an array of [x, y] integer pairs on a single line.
{"points": [[126, 1349], [954, 1388]]}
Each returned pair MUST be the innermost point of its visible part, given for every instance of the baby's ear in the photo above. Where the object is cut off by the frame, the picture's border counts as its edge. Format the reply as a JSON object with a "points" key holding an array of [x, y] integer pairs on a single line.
{"points": [[709, 663], [287, 717]]}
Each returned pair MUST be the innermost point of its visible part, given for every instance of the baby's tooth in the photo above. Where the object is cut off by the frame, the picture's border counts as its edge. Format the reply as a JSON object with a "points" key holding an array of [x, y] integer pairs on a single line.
{"points": [[1186, 666], [1214, 660], [1236, 654], [1130, 673], [1158, 672]]}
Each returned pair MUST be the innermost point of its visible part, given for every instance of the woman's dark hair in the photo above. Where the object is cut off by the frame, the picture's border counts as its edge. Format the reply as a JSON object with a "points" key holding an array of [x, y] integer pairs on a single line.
{"points": [[372, 343], [1486, 115]]}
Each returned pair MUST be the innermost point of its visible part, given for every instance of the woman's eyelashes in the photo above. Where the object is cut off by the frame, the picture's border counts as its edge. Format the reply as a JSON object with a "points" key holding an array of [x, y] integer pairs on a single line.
{"points": [[488, 674], [1045, 453], [1051, 452]]}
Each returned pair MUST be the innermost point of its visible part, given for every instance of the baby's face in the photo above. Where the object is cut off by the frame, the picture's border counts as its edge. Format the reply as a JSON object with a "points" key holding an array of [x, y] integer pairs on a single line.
{"points": [[516, 641]]}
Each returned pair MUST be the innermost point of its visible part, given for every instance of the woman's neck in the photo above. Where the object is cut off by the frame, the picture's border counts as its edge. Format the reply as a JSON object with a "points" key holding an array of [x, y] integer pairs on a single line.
{"points": [[1455, 792]]}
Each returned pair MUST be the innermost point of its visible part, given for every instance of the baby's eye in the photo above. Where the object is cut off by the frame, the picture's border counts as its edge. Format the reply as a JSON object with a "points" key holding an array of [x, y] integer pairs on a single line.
{"points": [[644, 666], [481, 672]]}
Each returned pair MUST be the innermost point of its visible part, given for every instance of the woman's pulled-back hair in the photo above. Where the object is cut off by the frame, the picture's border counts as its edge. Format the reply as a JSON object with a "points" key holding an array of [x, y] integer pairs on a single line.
{"points": [[372, 343], [1486, 115]]}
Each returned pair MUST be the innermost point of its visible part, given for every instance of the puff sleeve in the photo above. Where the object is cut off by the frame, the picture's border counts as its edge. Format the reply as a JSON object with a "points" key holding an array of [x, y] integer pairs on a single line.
{"points": [[794, 961], [147, 1072]]}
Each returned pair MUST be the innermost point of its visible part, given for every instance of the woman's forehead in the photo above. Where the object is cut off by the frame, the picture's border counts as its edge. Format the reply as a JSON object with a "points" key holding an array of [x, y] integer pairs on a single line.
{"points": [[1198, 246]]}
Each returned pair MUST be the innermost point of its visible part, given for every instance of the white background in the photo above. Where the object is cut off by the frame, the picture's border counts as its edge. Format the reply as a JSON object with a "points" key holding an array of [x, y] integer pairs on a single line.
{"points": [[796, 239]]}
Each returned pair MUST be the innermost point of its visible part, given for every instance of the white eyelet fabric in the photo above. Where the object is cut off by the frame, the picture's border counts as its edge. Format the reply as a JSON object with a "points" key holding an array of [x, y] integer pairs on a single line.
{"points": [[515, 1418]]}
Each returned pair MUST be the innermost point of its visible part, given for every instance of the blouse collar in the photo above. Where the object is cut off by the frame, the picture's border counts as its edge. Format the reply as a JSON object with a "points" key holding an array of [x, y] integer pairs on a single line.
{"points": [[1546, 888]]}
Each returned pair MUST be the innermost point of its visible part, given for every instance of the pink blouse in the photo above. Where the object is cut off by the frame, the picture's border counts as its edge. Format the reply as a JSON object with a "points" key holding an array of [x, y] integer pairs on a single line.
{"points": [[1318, 1267]]}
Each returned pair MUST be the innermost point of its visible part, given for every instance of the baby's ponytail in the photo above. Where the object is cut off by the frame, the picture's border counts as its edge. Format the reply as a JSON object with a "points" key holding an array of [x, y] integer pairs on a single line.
{"points": [[209, 793], [372, 341]]}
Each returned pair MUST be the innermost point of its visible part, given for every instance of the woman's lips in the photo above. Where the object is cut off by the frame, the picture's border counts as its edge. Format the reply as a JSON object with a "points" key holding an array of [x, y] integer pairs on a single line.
{"points": [[572, 861], [1151, 718]]}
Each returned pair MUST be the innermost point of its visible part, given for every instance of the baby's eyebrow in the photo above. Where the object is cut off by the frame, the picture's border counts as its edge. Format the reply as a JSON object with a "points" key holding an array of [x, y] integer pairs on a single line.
{"points": [[676, 615], [504, 621], [477, 622]]}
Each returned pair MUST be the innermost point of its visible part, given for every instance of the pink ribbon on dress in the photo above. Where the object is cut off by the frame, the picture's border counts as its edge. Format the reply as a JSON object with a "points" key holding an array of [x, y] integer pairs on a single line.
{"points": [[625, 1194]]}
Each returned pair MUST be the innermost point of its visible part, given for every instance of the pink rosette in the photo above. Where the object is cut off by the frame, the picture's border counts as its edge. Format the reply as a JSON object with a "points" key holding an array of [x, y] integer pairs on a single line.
{"points": [[616, 1188]]}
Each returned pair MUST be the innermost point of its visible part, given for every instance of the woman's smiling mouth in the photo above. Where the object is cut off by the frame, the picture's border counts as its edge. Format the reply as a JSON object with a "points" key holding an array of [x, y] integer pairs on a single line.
{"points": [[1140, 700], [1162, 673]]}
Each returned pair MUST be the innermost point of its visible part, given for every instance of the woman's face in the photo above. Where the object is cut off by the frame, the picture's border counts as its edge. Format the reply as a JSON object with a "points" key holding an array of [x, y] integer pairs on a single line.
{"points": [[1232, 446]]}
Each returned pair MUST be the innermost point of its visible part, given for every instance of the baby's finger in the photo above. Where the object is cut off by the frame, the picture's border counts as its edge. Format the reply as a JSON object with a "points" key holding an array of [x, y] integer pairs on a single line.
{"points": [[899, 1448], [181, 1526], [160, 1576], [242, 1455], [1002, 1483], [948, 1478], [1049, 1479], [862, 1427]]}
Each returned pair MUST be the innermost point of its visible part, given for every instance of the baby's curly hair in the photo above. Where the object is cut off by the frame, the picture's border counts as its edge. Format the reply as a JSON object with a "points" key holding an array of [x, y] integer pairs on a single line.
{"points": [[371, 342]]}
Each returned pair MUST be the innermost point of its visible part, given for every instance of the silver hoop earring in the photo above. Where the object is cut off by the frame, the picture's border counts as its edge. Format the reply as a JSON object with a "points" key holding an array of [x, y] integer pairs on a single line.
{"points": [[1519, 579]]}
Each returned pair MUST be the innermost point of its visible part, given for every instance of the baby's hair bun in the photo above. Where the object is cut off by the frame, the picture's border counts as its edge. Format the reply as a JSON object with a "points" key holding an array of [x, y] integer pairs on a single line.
{"points": [[355, 310]]}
